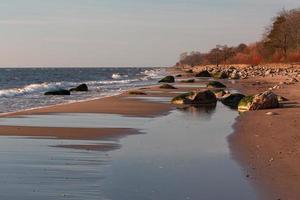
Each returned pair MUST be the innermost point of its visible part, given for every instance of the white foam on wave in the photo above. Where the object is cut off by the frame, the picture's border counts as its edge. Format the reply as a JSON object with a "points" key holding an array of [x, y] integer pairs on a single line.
{"points": [[33, 88], [119, 76], [152, 74], [43, 87]]}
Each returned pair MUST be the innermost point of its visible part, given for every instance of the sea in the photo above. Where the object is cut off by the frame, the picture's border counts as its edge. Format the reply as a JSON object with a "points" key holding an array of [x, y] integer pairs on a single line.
{"points": [[24, 88]]}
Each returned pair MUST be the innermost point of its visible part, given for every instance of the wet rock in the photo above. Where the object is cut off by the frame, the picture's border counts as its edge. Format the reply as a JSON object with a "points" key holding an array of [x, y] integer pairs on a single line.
{"points": [[167, 86], [215, 84], [219, 93], [204, 73], [232, 100], [265, 100], [136, 93], [183, 98], [80, 88], [219, 75], [196, 98], [58, 92], [188, 81], [167, 79]]}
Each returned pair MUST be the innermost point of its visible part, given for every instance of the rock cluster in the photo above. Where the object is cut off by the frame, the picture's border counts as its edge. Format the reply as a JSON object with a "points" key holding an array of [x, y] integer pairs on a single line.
{"points": [[232, 72], [61, 91]]}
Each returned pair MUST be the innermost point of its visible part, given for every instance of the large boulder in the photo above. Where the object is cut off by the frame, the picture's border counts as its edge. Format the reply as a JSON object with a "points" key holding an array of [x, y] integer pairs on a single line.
{"points": [[265, 100], [196, 98], [58, 92], [232, 100], [203, 73], [80, 88], [215, 84], [167, 79]]}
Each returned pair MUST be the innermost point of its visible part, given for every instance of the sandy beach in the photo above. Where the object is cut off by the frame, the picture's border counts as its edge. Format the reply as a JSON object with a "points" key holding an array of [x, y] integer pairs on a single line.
{"points": [[269, 148]]}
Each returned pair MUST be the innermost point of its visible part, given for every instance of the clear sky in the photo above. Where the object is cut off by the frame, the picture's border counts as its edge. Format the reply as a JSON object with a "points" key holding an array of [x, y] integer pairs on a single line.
{"points": [[126, 32]]}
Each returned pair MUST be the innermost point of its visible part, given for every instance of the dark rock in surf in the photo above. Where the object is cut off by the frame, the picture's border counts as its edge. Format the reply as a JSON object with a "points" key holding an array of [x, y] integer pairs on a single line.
{"points": [[80, 88], [58, 92], [188, 81], [167, 79]]}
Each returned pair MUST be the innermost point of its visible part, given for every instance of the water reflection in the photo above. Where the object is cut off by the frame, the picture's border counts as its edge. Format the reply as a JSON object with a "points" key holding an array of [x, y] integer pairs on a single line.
{"points": [[184, 155], [203, 111]]}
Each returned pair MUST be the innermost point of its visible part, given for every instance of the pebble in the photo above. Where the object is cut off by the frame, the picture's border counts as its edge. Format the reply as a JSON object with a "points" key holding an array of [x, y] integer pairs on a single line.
{"points": [[271, 113]]}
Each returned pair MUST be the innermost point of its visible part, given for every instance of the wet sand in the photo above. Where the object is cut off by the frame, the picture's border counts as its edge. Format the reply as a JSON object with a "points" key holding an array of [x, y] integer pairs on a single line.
{"points": [[123, 104], [112, 105], [178, 158], [66, 133]]}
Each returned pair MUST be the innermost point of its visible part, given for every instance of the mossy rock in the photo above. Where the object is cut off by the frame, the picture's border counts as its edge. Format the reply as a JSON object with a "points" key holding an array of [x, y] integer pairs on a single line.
{"points": [[183, 98], [188, 81], [136, 93], [219, 75], [204, 74], [58, 92], [200, 98], [264, 100], [233, 100], [167, 86], [215, 84], [245, 103], [167, 79]]}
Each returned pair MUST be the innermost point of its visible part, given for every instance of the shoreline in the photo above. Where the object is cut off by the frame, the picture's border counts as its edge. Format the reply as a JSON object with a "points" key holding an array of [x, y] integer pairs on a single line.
{"points": [[243, 142]]}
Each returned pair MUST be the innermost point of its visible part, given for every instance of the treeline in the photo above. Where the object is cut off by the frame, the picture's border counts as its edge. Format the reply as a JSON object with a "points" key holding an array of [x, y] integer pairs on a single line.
{"points": [[280, 43]]}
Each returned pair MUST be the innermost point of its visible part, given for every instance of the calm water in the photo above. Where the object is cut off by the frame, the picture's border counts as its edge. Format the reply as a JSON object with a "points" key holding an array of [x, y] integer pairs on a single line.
{"points": [[23, 88], [183, 155]]}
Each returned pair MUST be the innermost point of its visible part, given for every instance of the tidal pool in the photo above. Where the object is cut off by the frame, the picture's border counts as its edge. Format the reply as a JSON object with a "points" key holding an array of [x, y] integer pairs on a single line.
{"points": [[183, 155]]}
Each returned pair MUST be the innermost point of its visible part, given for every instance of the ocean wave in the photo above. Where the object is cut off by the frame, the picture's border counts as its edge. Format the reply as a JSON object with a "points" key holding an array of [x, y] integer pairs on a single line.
{"points": [[33, 88], [152, 74], [119, 76], [117, 80], [43, 87]]}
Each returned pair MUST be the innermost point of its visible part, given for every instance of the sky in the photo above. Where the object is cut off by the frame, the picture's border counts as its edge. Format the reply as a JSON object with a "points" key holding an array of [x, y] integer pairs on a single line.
{"points": [[95, 33]]}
